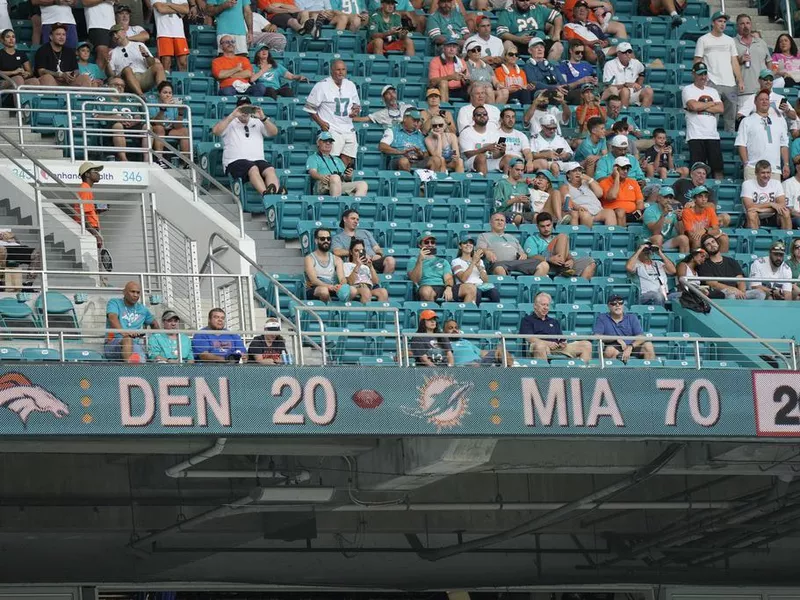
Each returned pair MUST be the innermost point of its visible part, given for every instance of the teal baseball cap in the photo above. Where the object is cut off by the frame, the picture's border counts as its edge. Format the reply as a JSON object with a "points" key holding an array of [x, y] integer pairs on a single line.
{"points": [[325, 136], [516, 161], [696, 191], [413, 113], [544, 173], [719, 15], [666, 191], [766, 74]]}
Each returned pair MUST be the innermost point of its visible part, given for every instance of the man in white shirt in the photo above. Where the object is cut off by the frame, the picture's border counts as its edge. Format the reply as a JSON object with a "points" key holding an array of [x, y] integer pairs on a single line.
{"points": [[99, 20], [550, 151], [133, 62], [58, 11], [548, 102], [478, 143], [491, 46], [770, 268], [718, 51], [791, 189], [625, 77], [761, 137], [477, 97], [243, 132], [332, 104], [135, 33], [516, 143], [703, 104], [171, 39], [779, 107], [764, 201]]}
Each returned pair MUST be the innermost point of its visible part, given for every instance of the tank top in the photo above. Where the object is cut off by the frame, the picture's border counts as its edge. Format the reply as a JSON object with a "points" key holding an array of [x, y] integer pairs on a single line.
{"points": [[583, 196], [325, 273]]}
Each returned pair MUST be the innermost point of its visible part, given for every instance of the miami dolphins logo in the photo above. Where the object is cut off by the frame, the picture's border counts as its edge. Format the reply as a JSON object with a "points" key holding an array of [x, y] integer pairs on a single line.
{"points": [[442, 401], [23, 397]]}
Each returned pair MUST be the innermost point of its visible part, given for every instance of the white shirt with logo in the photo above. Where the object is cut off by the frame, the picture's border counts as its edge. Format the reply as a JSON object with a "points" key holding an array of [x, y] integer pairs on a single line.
{"points": [[333, 103], [700, 126], [762, 195]]}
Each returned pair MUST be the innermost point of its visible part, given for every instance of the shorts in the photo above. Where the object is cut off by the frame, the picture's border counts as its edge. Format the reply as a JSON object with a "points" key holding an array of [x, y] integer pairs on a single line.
{"points": [[378, 263], [344, 143], [460, 93], [768, 219], [750, 173], [241, 42], [579, 265], [706, 151], [239, 169], [168, 46], [415, 164], [492, 164], [147, 80], [635, 96], [113, 351], [572, 350], [393, 46], [72, 34], [348, 188], [282, 19], [99, 37], [439, 290]]}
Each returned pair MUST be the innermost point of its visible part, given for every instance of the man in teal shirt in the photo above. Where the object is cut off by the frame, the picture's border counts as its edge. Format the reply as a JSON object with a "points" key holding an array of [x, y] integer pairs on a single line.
{"points": [[555, 248], [447, 25], [329, 172], [433, 274], [663, 220], [234, 18], [593, 147]]}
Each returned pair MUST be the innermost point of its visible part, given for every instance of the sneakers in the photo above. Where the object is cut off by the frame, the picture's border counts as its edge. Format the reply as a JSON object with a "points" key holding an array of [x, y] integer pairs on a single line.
{"points": [[677, 21], [316, 31], [307, 27], [106, 261]]}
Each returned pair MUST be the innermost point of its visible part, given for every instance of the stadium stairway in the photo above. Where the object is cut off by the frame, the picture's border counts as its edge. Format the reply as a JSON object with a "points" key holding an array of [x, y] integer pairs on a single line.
{"points": [[33, 141]]}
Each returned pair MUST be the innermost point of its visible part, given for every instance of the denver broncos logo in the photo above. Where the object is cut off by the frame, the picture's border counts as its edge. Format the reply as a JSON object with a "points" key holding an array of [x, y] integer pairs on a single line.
{"points": [[23, 397]]}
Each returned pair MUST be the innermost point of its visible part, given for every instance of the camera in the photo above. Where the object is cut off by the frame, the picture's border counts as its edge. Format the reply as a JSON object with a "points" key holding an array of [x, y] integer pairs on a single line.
{"points": [[668, 141], [651, 246], [248, 110], [234, 357]]}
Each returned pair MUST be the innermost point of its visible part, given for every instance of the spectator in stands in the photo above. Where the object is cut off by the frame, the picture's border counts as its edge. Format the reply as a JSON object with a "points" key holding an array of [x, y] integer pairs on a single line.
{"points": [[613, 116], [511, 195], [624, 76], [133, 62], [753, 55], [545, 196], [702, 104], [320, 13], [448, 73], [14, 63], [234, 73], [135, 33], [491, 47], [387, 33], [687, 267], [518, 26], [99, 16], [469, 269], [478, 96], [622, 194], [718, 51], [126, 118], [467, 354], [481, 73], [332, 104], [512, 78], [86, 211], [699, 218], [350, 14], [243, 132], [540, 71], [697, 177], [770, 268], [56, 63], [719, 265], [405, 146], [787, 59], [539, 323], [447, 26], [576, 72], [651, 274], [127, 313], [12, 251], [555, 248], [625, 327], [583, 194], [762, 138], [163, 347], [272, 76], [779, 107], [504, 253], [324, 272], [585, 31], [97, 76], [589, 108], [549, 102], [168, 122], [794, 265], [442, 146], [218, 347], [431, 350], [342, 240], [663, 219], [58, 12], [658, 160], [171, 39], [433, 99], [593, 147], [232, 18], [791, 190], [479, 144], [266, 34], [655, 8], [329, 173], [619, 149], [286, 15], [269, 348], [550, 151], [361, 276], [764, 201], [515, 142], [392, 112], [433, 275]]}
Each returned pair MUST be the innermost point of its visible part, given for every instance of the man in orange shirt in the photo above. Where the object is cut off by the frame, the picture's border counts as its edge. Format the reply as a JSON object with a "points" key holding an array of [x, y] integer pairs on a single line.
{"points": [[86, 210], [233, 72], [700, 218], [448, 73], [623, 194]]}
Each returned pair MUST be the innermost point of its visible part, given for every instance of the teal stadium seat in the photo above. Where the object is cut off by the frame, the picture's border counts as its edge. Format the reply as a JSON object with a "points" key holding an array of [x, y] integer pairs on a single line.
{"points": [[15, 314], [60, 311], [40, 354], [10, 354]]}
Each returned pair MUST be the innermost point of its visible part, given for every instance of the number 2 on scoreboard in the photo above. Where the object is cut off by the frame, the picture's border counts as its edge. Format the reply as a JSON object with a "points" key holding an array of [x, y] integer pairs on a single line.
{"points": [[790, 399], [306, 394]]}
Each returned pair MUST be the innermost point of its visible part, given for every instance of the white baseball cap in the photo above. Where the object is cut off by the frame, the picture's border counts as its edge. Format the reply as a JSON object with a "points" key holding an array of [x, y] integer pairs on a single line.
{"points": [[622, 161], [619, 141], [624, 47], [547, 121], [571, 166]]}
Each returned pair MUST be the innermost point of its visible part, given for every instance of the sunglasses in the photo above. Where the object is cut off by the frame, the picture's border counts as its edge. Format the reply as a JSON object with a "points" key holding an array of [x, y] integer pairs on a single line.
{"points": [[625, 168], [429, 243], [616, 303], [246, 131], [437, 125], [227, 42], [124, 52], [324, 239], [512, 54], [475, 49]]}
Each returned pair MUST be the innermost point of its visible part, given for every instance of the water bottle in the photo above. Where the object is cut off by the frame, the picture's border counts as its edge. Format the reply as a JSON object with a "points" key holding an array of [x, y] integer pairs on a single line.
{"points": [[284, 358], [747, 58]]}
